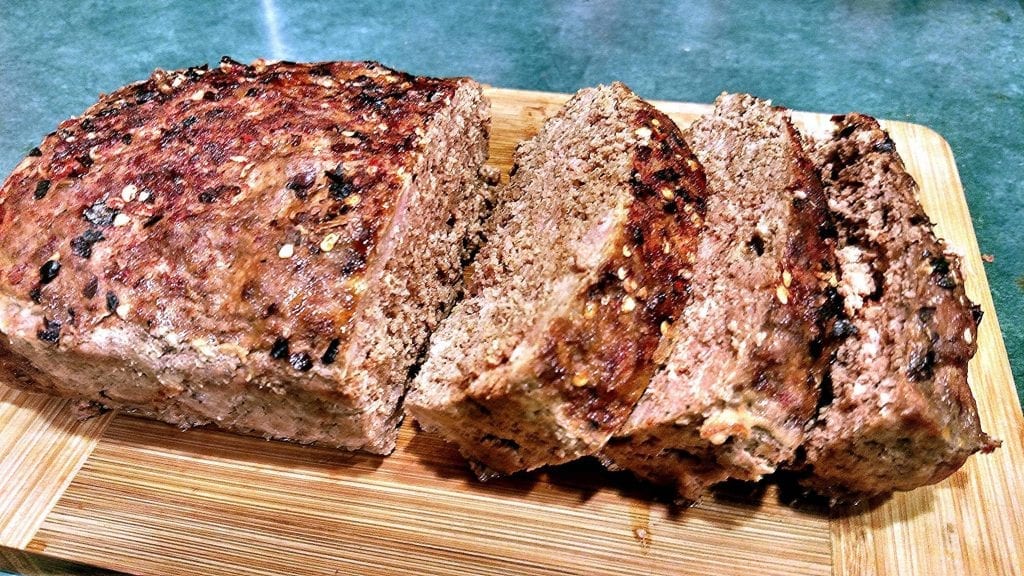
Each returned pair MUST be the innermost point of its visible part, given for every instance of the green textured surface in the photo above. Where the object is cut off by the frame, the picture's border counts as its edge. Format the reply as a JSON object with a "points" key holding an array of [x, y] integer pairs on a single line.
{"points": [[954, 66]]}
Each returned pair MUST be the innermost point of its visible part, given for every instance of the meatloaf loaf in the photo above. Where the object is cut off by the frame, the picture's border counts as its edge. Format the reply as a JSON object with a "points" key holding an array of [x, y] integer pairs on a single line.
{"points": [[901, 413], [742, 365], [263, 247], [591, 256]]}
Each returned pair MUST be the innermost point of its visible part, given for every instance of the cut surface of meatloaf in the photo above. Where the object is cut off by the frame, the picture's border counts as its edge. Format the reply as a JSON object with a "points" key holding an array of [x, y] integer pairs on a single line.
{"points": [[901, 413], [741, 367], [263, 247], [593, 245]]}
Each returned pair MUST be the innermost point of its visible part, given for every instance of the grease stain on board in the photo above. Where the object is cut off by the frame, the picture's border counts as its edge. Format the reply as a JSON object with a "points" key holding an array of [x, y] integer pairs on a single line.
{"points": [[640, 524]]}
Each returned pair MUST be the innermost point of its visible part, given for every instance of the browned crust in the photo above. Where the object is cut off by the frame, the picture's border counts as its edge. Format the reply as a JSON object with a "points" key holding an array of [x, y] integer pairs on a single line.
{"points": [[613, 349], [212, 233], [592, 359], [676, 445], [906, 417], [184, 140]]}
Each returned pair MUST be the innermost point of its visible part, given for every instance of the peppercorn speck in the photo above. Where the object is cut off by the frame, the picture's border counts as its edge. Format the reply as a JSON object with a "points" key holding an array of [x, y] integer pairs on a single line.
{"points": [[112, 302], [99, 214], [42, 187], [50, 331], [82, 245], [90, 288], [279, 351], [35, 152], [331, 354], [49, 271], [301, 361]]}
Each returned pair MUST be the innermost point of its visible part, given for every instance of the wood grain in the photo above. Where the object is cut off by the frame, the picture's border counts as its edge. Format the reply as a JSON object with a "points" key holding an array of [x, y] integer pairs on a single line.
{"points": [[150, 499], [42, 446]]}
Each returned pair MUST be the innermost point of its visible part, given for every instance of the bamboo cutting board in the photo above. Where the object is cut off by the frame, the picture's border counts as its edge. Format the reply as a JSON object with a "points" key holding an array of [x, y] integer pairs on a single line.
{"points": [[139, 496]]}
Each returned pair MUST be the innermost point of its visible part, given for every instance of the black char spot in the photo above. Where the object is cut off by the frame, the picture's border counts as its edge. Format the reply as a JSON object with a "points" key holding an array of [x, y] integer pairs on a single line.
{"points": [[921, 366], [843, 328], [112, 302], [756, 243], [977, 314]]}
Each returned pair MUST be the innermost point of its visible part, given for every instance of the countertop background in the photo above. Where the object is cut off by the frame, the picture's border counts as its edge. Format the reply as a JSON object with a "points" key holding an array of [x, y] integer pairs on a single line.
{"points": [[951, 65]]}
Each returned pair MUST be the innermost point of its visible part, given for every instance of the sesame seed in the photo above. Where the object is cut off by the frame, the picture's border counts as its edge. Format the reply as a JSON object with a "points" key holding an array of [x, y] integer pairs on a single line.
{"points": [[655, 122], [198, 95], [782, 293], [121, 219], [665, 325], [580, 380], [643, 133], [622, 273], [692, 164], [800, 194], [129, 192], [122, 311], [286, 251], [626, 251], [787, 278], [668, 194], [353, 200], [628, 304], [239, 159], [589, 310], [327, 244], [968, 337]]}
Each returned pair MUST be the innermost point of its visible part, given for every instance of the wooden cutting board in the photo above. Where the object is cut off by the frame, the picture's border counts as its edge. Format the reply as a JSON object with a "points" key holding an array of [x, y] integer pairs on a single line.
{"points": [[139, 496]]}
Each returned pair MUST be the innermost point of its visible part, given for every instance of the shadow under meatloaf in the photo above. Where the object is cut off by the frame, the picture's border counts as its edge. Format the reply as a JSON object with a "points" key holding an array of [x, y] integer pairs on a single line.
{"points": [[901, 413], [592, 250], [742, 365], [263, 247]]}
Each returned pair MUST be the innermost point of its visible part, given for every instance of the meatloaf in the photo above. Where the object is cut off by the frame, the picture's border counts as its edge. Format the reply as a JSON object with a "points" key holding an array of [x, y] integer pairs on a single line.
{"points": [[262, 247], [742, 365], [900, 413], [590, 258]]}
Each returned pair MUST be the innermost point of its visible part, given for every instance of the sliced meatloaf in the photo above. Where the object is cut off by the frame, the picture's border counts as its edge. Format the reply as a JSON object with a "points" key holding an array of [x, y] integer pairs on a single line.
{"points": [[592, 251], [741, 367], [901, 413], [263, 247]]}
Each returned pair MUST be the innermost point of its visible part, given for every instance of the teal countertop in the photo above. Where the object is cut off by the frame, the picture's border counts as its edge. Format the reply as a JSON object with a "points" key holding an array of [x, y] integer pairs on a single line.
{"points": [[954, 66]]}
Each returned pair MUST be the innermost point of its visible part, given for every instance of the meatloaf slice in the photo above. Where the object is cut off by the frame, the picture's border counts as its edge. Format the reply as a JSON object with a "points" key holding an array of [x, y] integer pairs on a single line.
{"points": [[591, 254], [742, 365], [901, 413], [262, 247]]}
